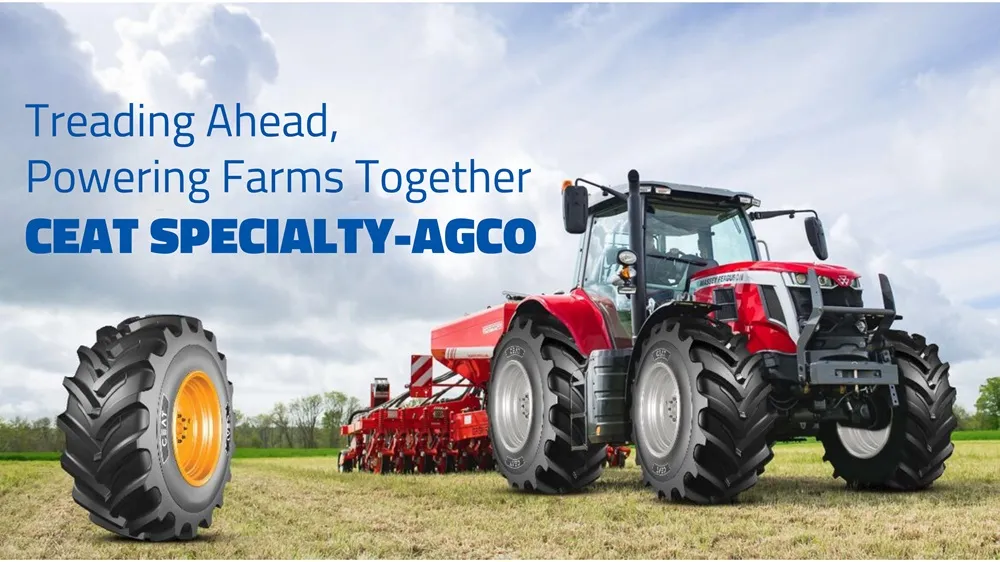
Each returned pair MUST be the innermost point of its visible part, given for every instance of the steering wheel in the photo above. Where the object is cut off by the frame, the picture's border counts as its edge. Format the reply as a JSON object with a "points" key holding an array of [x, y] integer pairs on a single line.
{"points": [[672, 265]]}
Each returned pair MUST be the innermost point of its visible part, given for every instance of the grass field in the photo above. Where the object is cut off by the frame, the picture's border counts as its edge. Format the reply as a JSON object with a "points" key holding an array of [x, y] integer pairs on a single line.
{"points": [[251, 453], [303, 508]]}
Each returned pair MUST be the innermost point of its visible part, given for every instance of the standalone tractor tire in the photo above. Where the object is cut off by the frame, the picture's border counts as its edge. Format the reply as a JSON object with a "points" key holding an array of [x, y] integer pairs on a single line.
{"points": [[909, 454], [700, 412], [148, 428], [530, 397]]}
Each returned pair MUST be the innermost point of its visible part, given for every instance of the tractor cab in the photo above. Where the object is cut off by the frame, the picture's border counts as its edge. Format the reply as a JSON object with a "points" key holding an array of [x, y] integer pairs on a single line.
{"points": [[681, 236], [645, 242]]}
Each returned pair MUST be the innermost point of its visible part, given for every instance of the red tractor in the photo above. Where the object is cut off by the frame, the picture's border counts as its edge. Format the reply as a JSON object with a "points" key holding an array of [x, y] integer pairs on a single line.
{"points": [[678, 338]]}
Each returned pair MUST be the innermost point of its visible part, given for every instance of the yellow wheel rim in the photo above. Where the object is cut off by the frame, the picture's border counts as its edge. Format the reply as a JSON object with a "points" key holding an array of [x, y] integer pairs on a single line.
{"points": [[197, 428]]}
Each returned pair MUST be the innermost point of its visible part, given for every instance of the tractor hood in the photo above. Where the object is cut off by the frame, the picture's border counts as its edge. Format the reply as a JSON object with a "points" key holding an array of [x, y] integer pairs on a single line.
{"points": [[840, 275]]}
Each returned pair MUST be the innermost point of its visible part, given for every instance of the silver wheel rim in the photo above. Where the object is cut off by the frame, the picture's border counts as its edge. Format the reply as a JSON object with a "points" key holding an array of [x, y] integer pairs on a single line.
{"points": [[514, 406], [659, 410], [864, 443]]}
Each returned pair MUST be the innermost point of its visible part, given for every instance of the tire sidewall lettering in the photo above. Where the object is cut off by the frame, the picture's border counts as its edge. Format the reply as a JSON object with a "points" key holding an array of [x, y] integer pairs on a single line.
{"points": [[523, 353], [664, 353], [189, 359], [163, 430]]}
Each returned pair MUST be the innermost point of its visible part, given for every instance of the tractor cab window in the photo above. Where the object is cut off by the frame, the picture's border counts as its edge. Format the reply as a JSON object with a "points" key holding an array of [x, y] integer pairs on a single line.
{"points": [[674, 236]]}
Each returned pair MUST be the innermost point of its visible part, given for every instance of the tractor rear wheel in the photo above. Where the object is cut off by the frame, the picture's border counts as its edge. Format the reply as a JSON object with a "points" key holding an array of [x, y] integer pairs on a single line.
{"points": [[529, 400], [148, 426], [700, 412], [909, 454]]}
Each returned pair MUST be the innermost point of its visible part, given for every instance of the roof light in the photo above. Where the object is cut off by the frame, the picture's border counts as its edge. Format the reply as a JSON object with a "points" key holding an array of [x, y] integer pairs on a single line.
{"points": [[566, 184], [755, 202], [645, 189], [662, 190]]}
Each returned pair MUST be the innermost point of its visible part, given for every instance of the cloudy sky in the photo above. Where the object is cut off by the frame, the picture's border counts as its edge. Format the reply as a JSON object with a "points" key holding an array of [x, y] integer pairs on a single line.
{"points": [[886, 118]]}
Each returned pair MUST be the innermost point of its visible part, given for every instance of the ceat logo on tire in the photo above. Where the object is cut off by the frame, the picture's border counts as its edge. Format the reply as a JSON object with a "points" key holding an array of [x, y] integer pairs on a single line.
{"points": [[164, 429]]}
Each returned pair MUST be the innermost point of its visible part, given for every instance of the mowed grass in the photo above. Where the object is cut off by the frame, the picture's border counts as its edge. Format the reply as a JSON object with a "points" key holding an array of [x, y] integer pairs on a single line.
{"points": [[304, 508], [241, 453]]}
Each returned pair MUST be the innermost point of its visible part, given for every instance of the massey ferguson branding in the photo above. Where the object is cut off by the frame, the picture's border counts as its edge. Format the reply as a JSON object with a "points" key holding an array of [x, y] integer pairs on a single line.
{"points": [[721, 279], [492, 327], [163, 429]]}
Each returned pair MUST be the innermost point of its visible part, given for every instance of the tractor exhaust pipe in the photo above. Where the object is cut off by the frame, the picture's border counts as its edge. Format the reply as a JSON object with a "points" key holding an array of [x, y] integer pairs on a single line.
{"points": [[637, 241]]}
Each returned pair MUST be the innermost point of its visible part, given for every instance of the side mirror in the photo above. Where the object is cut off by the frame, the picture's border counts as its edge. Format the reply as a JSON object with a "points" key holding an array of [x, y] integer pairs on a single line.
{"points": [[575, 209], [816, 237]]}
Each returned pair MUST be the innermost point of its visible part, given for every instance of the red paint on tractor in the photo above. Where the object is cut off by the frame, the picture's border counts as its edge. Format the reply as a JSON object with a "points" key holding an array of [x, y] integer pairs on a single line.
{"points": [[580, 315], [835, 272], [444, 435], [466, 346], [751, 316]]}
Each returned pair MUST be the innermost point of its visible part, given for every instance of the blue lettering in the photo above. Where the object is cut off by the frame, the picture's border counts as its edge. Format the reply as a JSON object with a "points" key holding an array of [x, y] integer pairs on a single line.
{"points": [[224, 236], [527, 228], [464, 243], [378, 231], [194, 232], [350, 228], [165, 240], [483, 236], [32, 236], [427, 237]]}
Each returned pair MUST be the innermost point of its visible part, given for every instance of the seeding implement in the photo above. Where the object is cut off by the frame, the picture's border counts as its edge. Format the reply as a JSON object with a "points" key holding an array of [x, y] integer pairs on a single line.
{"points": [[680, 340], [430, 428]]}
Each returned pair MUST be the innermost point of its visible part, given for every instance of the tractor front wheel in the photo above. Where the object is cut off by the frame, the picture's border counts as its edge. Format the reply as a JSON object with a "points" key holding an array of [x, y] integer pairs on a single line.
{"points": [[909, 453], [700, 412], [529, 401]]}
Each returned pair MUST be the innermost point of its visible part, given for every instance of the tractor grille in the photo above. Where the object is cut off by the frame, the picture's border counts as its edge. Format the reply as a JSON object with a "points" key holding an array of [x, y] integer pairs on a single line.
{"points": [[837, 296]]}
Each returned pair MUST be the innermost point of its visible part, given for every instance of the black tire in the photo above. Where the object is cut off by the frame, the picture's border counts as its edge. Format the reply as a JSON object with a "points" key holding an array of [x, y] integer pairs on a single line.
{"points": [[720, 444], [344, 465], [118, 415], [620, 458], [919, 440], [545, 462]]}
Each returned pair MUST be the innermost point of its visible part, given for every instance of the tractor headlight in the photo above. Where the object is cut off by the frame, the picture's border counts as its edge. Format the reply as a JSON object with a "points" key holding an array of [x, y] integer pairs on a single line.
{"points": [[825, 281], [856, 283], [801, 279], [627, 258]]}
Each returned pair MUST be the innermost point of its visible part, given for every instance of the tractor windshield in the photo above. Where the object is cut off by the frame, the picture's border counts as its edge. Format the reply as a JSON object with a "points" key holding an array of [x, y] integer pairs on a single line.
{"points": [[676, 236]]}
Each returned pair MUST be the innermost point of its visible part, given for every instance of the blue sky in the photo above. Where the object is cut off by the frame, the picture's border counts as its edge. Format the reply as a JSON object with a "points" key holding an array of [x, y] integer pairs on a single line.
{"points": [[882, 117]]}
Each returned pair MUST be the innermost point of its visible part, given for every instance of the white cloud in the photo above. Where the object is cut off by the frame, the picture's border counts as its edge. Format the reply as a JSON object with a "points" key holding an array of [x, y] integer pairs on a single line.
{"points": [[190, 52], [836, 109]]}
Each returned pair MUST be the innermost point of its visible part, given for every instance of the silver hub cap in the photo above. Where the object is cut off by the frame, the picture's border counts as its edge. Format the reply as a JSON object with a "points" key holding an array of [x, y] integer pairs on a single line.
{"points": [[514, 406], [659, 410], [863, 443]]}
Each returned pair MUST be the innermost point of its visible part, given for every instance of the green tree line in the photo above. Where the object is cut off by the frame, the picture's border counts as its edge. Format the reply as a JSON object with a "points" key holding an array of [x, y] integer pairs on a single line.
{"points": [[314, 421], [306, 423]]}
